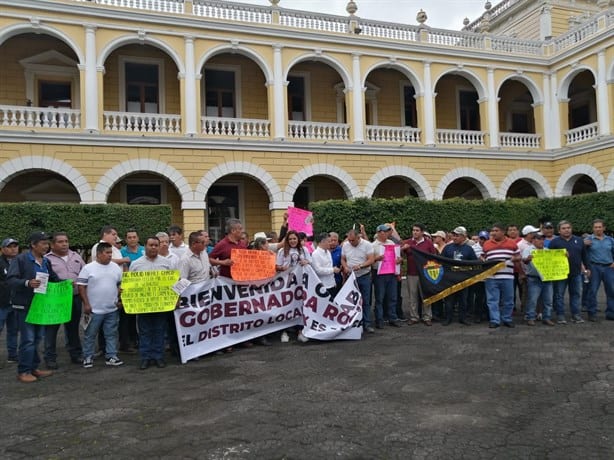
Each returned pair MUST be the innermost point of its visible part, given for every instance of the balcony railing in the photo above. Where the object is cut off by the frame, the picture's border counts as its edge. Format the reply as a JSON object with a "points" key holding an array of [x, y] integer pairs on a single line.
{"points": [[313, 21], [231, 12], [519, 140], [576, 35], [453, 38], [160, 6], [235, 127], [142, 122], [459, 137], [39, 117], [495, 11], [582, 133], [317, 131], [516, 46], [393, 134]]}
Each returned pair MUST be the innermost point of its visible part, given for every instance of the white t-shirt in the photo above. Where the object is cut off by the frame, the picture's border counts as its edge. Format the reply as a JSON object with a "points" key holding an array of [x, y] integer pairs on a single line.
{"points": [[293, 257], [357, 255], [102, 282]]}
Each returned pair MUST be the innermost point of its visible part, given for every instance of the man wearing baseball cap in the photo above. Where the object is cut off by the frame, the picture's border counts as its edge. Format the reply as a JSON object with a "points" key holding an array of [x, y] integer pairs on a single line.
{"points": [[23, 277], [10, 248]]}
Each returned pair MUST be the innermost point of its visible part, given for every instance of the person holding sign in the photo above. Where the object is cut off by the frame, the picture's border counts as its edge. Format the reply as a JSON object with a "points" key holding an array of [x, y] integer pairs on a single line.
{"points": [[535, 286], [220, 256], [152, 326], [322, 263], [98, 284], [388, 259], [25, 276], [357, 256]]}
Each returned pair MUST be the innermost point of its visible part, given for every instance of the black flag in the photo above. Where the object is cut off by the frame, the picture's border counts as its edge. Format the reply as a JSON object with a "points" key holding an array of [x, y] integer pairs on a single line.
{"points": [[440, 276]]}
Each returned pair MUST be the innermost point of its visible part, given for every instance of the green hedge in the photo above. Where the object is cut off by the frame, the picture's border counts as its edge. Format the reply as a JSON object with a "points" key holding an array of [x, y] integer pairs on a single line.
{"points": [[341, 215], [81, 222]]}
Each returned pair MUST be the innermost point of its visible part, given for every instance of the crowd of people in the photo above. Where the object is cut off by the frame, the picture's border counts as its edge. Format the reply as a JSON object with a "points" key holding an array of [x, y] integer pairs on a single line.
{"points": [[97, 304]]}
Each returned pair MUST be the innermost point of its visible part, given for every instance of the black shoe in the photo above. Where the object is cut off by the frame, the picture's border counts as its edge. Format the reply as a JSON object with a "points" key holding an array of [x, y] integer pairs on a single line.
{"points": [[51, 364], [593, 318], [160, 363], [465, 322], [396, 323], [76, 359], [379, 325], [144, 364], [493, 325], [609, 318], [447, 322], [509, 324], [264, 342]]}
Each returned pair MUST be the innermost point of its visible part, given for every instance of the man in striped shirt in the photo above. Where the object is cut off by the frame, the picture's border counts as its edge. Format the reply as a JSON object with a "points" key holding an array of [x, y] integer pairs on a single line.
{"points": [[500, 286]]}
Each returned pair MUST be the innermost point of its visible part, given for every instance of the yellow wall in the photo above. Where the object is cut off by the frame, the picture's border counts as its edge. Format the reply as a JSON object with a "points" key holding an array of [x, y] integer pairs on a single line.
{"points": [[323, 94]]}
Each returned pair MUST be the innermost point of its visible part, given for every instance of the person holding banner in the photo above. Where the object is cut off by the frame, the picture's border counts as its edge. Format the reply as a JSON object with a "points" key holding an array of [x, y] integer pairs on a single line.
{"points": [[28, 272], [536, 288], [387, 265], [98, 284], [357, 256], [220, 256], [335, 252], [322, 263]]}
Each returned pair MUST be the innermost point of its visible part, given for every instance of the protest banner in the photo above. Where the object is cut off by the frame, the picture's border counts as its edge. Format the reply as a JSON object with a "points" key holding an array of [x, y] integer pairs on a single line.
{"points": [[300, 220], [441, 277], [388, 265], [149, 291], [220, 313], [53, 307], [250, 265], [551, 264]]}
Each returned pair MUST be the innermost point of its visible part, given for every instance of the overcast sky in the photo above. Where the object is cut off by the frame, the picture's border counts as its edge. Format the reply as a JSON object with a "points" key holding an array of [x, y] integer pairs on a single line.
{"points": [[442, 14]]}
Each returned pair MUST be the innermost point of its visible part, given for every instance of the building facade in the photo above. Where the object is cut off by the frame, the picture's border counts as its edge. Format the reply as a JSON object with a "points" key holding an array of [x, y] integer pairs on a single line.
{"points": [[223, 109]]}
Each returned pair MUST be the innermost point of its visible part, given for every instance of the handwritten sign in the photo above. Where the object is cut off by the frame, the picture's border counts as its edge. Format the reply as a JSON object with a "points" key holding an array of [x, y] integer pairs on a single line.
{"points": [[53, 307], [388, 265], [251, 265], [551, 264], [300, 220], [149, 291]]}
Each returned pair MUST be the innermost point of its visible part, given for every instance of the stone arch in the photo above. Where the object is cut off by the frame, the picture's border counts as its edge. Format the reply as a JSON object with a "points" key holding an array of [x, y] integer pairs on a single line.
{"points": [[539, 183], [566, 182], [342, 71], [400, 67], [347, 182], [563, 91], [38, 28], [417, 180], [13, 167], [469, 75], [136, 39], [477, 177], [241, 167], [243, 50], [536, 93], [118, 172]]}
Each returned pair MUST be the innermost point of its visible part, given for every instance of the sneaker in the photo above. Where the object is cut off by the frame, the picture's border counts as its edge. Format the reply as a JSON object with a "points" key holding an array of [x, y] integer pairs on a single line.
{"points": [[12, 360], [114, 361], [561, 320], [285, 338], [369, 329], [577, 319], [301, 338], [88, 362]]}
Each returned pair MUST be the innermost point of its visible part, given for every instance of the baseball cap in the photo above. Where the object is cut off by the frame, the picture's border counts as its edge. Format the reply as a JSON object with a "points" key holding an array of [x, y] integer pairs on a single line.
{"points": [[539, 235], [484, 234], [261, 235], [529, 229], [548, 225], [440, 234], [460, 231], [38, 236], [383, 228], [8, 241]]}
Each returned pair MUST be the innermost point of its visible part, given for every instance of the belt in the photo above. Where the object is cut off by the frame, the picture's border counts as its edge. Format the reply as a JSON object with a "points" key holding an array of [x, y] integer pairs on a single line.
{"points": [[602, 265]]}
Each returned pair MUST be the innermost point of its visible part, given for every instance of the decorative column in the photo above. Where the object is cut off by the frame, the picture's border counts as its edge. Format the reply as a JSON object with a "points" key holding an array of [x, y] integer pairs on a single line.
{"points": [[429, 115], [358, 105], [91, 81], [601, 90], [189, 102], [555, 114], [279, 105], [493, 109], [547, 135]]}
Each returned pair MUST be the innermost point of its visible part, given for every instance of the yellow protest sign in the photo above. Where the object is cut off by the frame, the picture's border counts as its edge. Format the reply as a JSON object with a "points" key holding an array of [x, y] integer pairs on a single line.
{"points": [[250, 265], [551, 264], [149, 291]]}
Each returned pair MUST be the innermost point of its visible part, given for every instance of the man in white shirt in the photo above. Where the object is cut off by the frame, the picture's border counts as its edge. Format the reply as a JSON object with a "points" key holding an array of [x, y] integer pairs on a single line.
{"points": [[194, 265], [178, 246], [322, 263]]}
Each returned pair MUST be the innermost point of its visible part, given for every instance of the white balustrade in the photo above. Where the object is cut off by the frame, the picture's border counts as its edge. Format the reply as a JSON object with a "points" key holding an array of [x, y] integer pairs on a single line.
{"points": [[576, 35], [520, 140], [39, 117], [235, 127], [494, 12], [459, 137], [314, 130], [393, 134], [582, 133], [142, 122], [231, 12], [517, 46], [388, 30], [160, 6], [452, 38], [313, 21]]}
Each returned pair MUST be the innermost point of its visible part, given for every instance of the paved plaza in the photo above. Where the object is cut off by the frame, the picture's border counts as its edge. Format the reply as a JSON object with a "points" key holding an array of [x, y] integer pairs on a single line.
{"points": [[408, 393]]}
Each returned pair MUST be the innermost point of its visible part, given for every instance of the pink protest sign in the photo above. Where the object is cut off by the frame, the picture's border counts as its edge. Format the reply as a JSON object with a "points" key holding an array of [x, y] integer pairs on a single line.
{"points": [[388, 265], [300, 220]]}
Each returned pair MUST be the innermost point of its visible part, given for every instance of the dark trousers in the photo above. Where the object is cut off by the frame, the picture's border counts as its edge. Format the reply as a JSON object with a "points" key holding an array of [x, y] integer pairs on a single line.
{"points": [[72, 335], [128, 337]]}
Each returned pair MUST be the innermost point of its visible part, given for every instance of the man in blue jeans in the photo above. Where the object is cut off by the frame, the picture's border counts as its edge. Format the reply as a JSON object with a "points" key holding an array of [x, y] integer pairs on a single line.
{"points": [[10, 248], [24, 276], [578, 264], [601, 259], [357, 256], [536, 288]]}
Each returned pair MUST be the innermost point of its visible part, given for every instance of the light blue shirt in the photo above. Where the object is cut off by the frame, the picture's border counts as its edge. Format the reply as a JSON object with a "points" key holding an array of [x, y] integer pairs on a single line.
{"points": [[601, 251]]}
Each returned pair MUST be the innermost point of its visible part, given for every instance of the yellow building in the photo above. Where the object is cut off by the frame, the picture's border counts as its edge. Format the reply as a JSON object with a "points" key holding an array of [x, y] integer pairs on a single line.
{"points": [[225, 109]]}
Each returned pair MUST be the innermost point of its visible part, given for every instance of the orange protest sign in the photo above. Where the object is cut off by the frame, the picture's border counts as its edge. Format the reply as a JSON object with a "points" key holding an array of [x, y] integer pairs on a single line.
{"points": [[250, 265]]}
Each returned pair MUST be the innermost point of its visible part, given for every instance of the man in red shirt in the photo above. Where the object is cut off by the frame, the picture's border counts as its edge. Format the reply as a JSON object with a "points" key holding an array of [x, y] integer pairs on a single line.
{"points": [[220, 256], [423, 244]]}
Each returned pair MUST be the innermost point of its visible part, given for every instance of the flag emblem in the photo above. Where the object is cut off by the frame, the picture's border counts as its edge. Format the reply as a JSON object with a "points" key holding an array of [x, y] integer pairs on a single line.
{"points": [[433, 271]]}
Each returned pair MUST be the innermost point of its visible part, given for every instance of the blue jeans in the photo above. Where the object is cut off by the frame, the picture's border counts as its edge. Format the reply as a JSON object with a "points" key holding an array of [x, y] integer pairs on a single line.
{"points": [[601, 273], [537, 287], [364, 285], [30, 337], [152, 331], [574, 282], [500, 291], [109, 323], [8, 317], [385, 290]]}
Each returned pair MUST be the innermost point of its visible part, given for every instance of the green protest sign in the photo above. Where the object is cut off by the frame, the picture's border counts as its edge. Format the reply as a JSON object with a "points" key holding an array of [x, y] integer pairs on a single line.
{"points": [[551, 264], [149, 291], [53, 307]]}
